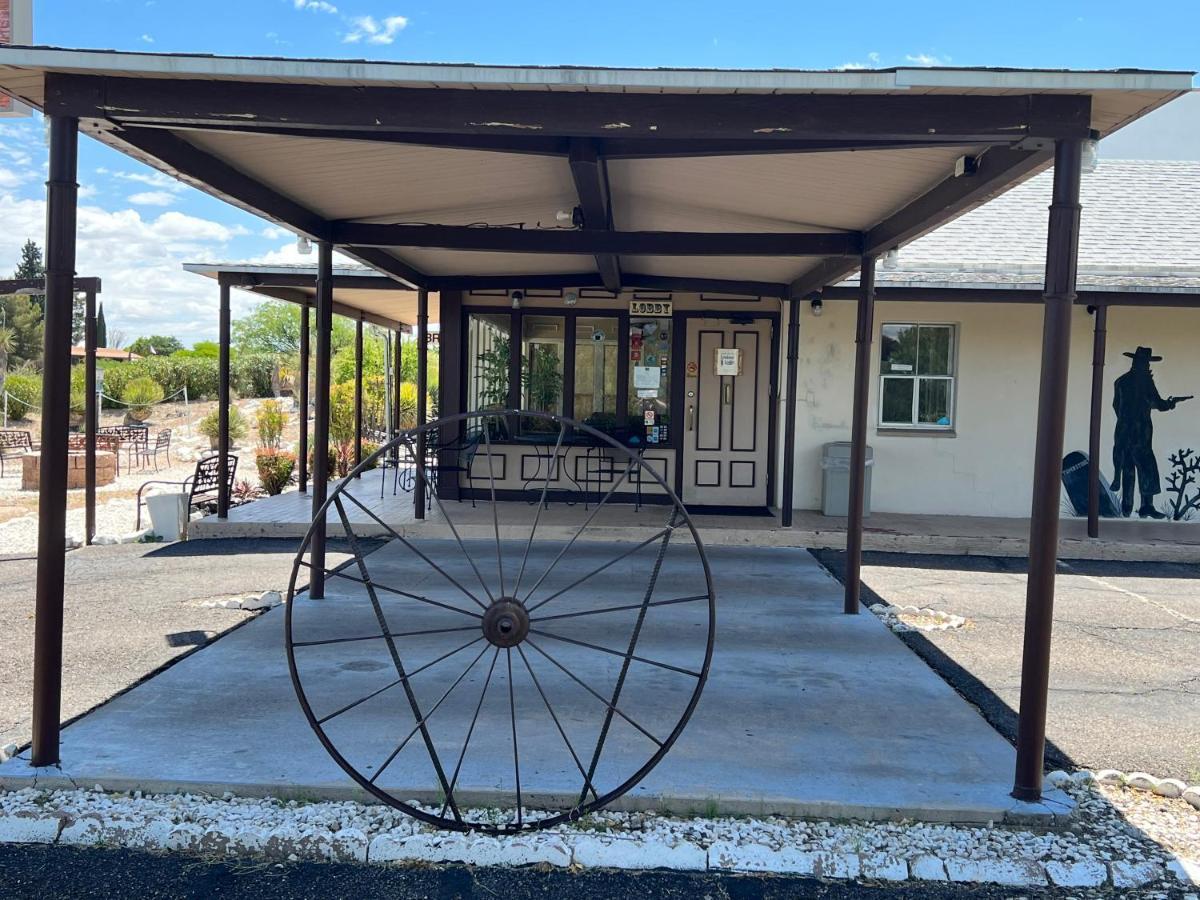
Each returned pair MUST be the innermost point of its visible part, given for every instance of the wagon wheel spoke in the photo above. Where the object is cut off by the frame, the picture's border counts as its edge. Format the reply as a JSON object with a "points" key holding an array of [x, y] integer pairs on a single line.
{"points": [[587, 783], [512, 711], [470, 731], [337, 573], [389, 634], [599, 569], [628, 606], [562, 430], [487, 440], [616, 653]]}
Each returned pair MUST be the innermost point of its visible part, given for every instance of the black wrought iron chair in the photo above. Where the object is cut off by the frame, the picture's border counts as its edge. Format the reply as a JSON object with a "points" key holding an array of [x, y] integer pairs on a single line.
{"points": [[201, 486], [162, 444], [13, 445]]}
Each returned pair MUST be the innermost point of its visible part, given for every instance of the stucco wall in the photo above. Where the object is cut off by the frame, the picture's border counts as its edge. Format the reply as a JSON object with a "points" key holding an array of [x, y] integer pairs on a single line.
{"points": [[985, 467]]}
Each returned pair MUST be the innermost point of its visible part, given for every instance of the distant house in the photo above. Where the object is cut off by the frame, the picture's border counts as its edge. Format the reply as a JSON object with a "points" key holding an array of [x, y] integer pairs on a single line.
{"points": [[105, 353]]}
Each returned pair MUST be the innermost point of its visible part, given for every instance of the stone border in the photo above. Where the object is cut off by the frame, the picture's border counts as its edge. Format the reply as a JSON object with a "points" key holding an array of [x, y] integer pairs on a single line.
{"points": [[1163, 787], [893, 618], [352, 832]]}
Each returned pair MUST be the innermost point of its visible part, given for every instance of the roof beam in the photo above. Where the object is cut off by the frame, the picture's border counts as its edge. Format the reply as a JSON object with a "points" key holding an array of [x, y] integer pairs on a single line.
{"points": [[998, 169], [301, 279], [38, 286], [504, 239], [591, 184], [1084, 297], [388, 263], [858, 116], [300, 298], [631, 281]]}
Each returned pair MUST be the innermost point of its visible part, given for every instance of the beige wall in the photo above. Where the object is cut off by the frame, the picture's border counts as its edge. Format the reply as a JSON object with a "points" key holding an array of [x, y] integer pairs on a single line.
{"points": [[985, 467]]}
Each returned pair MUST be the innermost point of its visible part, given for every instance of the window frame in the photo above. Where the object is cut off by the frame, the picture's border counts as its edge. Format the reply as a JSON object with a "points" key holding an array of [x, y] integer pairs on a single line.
{"points": [[914, 424]]}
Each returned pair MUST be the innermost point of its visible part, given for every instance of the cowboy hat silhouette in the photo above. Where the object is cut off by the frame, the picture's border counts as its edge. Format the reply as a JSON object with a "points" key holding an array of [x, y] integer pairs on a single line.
{"points": [[1143, 355]]}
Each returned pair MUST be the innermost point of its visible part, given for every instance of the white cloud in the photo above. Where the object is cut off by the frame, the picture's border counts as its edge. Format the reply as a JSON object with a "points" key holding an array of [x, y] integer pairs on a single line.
{"points": [[147, 38], [156, 180], [373, 31], [274, 232], [926, 59], [10, 179], [873, 61], [315, 6], [152, 198]]}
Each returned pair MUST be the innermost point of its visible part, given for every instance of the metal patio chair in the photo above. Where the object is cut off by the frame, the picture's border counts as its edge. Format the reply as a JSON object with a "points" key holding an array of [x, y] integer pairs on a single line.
{"points": [[201, 486], [162, 444], [13, 445]]}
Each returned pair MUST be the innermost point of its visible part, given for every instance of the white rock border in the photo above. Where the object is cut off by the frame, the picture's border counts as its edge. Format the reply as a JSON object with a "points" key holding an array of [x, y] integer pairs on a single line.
{"points": [[1139, 781], [346, 831], [893, 618], [252, 602]]}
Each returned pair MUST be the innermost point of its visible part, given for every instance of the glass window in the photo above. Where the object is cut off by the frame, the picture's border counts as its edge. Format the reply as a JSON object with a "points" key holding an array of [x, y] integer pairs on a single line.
{"points": [[596, 372], [543, 340], [650, 379], [489, 345], [916, 368]]}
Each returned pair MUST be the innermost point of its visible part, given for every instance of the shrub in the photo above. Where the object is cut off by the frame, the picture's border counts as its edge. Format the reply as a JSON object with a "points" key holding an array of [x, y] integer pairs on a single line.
{"points": [[271, 420], [24, 393], [251, 374], [408, 405], [276, 469], [139, 395], [333, 461], [210, 425], [78, 392]]}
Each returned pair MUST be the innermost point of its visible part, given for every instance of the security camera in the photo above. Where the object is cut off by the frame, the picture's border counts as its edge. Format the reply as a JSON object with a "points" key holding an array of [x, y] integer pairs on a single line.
{"points": [[517, 297]]}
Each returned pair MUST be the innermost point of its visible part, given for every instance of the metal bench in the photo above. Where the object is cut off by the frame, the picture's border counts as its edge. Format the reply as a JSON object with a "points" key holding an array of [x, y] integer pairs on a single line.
{"points": [[201, 486]]}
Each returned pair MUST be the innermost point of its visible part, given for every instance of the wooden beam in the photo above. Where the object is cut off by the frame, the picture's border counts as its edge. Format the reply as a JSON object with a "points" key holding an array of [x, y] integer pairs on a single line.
{"points": [[631, 281], [591, 241], [934, 294], [302, 279], [936, 118], [591, 184], [388, 263], [300, 298], [38, 285]]}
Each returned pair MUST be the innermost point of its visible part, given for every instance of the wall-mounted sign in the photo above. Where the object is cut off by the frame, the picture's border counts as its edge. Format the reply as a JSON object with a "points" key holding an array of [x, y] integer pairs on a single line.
{"points": [[650, 307], [727, 361], [693, 368]]}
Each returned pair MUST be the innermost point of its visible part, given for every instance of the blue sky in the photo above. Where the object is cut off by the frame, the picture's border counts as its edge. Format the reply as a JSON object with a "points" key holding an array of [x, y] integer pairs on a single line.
{"points": [[137, 226]]}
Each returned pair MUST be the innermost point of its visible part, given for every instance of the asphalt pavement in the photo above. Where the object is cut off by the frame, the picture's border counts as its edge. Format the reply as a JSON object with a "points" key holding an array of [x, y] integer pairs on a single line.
{"points": [[1125, 660]]}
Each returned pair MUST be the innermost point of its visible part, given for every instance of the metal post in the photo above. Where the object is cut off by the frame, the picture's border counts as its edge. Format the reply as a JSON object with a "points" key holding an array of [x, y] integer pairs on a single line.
{"points": [[863, 334], [303, 386], [398, 374], [358, 389], [1099, 339], [223, 404], [422, 398], [789, 412], [320, 474], [90, 416], [1062, 250], [62, 194]]}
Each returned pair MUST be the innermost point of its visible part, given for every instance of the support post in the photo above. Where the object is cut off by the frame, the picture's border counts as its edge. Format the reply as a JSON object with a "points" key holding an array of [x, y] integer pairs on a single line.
{"points": [[223, 403], [62, 194], [90, 416], [398, 373], [320, 475], [1062, 250], [1099, 340], [358, 389], [303, 388], [789, 412], [422, 398], [863, 334]]}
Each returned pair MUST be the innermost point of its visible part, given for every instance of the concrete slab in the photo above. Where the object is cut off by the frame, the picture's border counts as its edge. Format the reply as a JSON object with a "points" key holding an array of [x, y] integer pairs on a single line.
{"points": [[806, 711]]}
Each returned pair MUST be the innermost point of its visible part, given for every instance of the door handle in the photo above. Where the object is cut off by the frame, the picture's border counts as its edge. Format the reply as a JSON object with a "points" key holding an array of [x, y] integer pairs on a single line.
{"points": [[728, 392], [691, 417]]}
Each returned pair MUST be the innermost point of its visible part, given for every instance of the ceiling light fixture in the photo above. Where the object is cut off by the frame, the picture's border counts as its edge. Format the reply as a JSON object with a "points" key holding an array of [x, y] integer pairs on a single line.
{"points": [[303, 245]]}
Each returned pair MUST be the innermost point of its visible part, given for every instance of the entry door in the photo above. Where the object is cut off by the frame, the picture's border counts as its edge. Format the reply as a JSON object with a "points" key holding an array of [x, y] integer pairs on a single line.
{"points": [[726, 412]]}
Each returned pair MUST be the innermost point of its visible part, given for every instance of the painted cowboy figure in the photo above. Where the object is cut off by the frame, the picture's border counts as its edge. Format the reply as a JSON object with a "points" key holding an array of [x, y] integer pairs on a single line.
{"points": [[1134, 398]]}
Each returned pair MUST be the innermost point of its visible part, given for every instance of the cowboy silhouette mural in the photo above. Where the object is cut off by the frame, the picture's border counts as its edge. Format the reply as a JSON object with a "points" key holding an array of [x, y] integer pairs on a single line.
{"points": [[1134, 398]]}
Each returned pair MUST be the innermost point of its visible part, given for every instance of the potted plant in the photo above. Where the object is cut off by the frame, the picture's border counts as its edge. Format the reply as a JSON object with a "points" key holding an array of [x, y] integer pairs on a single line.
{"points": [[209, 427], [140, 394]]}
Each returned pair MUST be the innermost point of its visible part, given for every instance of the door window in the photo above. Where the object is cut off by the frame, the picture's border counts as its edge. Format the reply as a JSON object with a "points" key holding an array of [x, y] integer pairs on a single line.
{"points": [[596, 352], [649, 352]]}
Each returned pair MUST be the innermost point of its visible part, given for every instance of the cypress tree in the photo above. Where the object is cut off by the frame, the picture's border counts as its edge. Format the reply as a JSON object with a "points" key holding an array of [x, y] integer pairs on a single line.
{"points": [[101, 328]]}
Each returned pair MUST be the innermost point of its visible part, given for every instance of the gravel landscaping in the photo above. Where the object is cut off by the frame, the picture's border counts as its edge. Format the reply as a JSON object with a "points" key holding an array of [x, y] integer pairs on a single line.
{"points": [[1122, 838]]}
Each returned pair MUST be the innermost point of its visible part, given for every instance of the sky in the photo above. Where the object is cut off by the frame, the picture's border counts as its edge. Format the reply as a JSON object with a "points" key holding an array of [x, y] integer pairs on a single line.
{"points": [[137, 226]]}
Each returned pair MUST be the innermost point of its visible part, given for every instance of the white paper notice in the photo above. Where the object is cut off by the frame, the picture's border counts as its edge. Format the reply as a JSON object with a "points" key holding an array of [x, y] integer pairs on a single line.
{"points": [[646, 377]]}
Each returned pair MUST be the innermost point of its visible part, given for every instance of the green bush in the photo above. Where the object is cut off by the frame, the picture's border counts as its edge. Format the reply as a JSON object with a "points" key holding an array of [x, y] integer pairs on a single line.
{"points": [[25, 393], [139, 395], [78, 391], [276, 469], [251, 374], [271, 420], [209, 426]]}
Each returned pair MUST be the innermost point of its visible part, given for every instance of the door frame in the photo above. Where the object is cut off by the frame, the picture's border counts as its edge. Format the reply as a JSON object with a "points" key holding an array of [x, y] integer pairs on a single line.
{"points": [[679, 375]]}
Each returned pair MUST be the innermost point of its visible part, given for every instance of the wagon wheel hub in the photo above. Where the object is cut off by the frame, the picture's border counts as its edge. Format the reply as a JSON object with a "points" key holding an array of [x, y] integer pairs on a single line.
{"points": [[506, 622]]}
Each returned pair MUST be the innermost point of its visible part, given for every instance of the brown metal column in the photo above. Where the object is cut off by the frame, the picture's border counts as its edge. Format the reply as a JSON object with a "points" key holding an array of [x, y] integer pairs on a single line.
{"points": [[62, 194], [789, 412], [1099, 339], [303, 386], [358, 389], [863, 334], [223, 404], [320, 475], [422, 397], [1062, 248], [90, 416]]}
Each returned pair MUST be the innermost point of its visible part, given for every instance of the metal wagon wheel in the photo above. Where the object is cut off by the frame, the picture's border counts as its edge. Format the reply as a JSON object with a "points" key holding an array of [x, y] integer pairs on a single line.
{"points": [[583, 660]]}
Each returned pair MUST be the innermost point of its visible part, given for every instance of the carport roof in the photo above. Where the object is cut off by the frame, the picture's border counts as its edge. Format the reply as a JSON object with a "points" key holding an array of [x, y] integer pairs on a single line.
{"points": [[452, 176]]}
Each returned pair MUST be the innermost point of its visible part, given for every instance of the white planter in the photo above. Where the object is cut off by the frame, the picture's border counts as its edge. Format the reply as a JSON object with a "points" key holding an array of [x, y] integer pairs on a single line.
{"points": [[168, 515]]}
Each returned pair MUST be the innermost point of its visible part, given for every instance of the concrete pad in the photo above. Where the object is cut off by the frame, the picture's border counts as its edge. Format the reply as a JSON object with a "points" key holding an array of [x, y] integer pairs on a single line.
{"points": [[806, 711]]}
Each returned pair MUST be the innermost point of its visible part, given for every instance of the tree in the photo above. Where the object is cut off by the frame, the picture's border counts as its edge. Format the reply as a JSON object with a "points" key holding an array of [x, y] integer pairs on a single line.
{"points": [[32, 266], [156, 345], [23, 317], [101, 328], [274, 327], [6, 345], [78, 314]]}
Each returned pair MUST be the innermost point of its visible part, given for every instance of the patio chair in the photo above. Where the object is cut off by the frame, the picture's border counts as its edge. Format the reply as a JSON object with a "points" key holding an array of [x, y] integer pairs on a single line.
{"points": [[77, 440], [201, 486], [13, 445], [134, 438], [162, 444]]}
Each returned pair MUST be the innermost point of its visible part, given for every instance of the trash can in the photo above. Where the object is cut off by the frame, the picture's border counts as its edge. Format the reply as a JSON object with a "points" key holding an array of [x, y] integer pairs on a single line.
{"points": [[168, 515], [835, 479]]}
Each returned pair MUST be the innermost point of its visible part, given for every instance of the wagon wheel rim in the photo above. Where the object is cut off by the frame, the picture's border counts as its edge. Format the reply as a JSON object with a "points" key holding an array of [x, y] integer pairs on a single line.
{"points": [[498, 611]]}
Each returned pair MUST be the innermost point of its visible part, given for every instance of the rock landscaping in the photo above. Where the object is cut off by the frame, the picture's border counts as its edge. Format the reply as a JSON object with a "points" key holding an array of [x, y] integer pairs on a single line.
{"points": [[1121, 838], [913, 618]]}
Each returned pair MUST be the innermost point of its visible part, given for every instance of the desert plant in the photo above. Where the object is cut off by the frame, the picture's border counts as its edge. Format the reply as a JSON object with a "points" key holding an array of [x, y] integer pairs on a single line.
{"points": [[140, 395], [24, 393], [408, 405], [271, 420], [1185, 474], [276, 469], [78, 402], [210, 425], [244, 492]]}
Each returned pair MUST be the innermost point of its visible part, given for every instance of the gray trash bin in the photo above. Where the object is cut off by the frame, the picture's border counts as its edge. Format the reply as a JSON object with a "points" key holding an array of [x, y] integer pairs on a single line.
{"points": [[835, 479]]}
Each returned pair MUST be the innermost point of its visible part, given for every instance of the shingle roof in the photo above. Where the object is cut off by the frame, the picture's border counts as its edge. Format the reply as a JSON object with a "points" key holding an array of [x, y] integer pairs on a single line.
{"points": [[1140, 229]]}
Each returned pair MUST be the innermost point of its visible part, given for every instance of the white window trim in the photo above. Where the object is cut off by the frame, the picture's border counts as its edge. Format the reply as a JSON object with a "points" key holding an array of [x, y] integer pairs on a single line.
{"points": [[914, 425]]}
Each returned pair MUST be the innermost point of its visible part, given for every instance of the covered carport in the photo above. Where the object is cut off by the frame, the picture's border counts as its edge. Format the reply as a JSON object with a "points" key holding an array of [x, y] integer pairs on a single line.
{"points": [[449, 178]]}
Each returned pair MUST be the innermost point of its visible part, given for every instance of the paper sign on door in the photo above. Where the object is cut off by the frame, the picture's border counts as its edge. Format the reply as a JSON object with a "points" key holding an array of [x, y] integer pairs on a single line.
{"points": [[727, 361]]}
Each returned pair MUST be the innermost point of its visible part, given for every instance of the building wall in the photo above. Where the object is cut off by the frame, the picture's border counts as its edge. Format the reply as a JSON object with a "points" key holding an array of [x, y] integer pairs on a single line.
{"points": [[985, 467]]}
